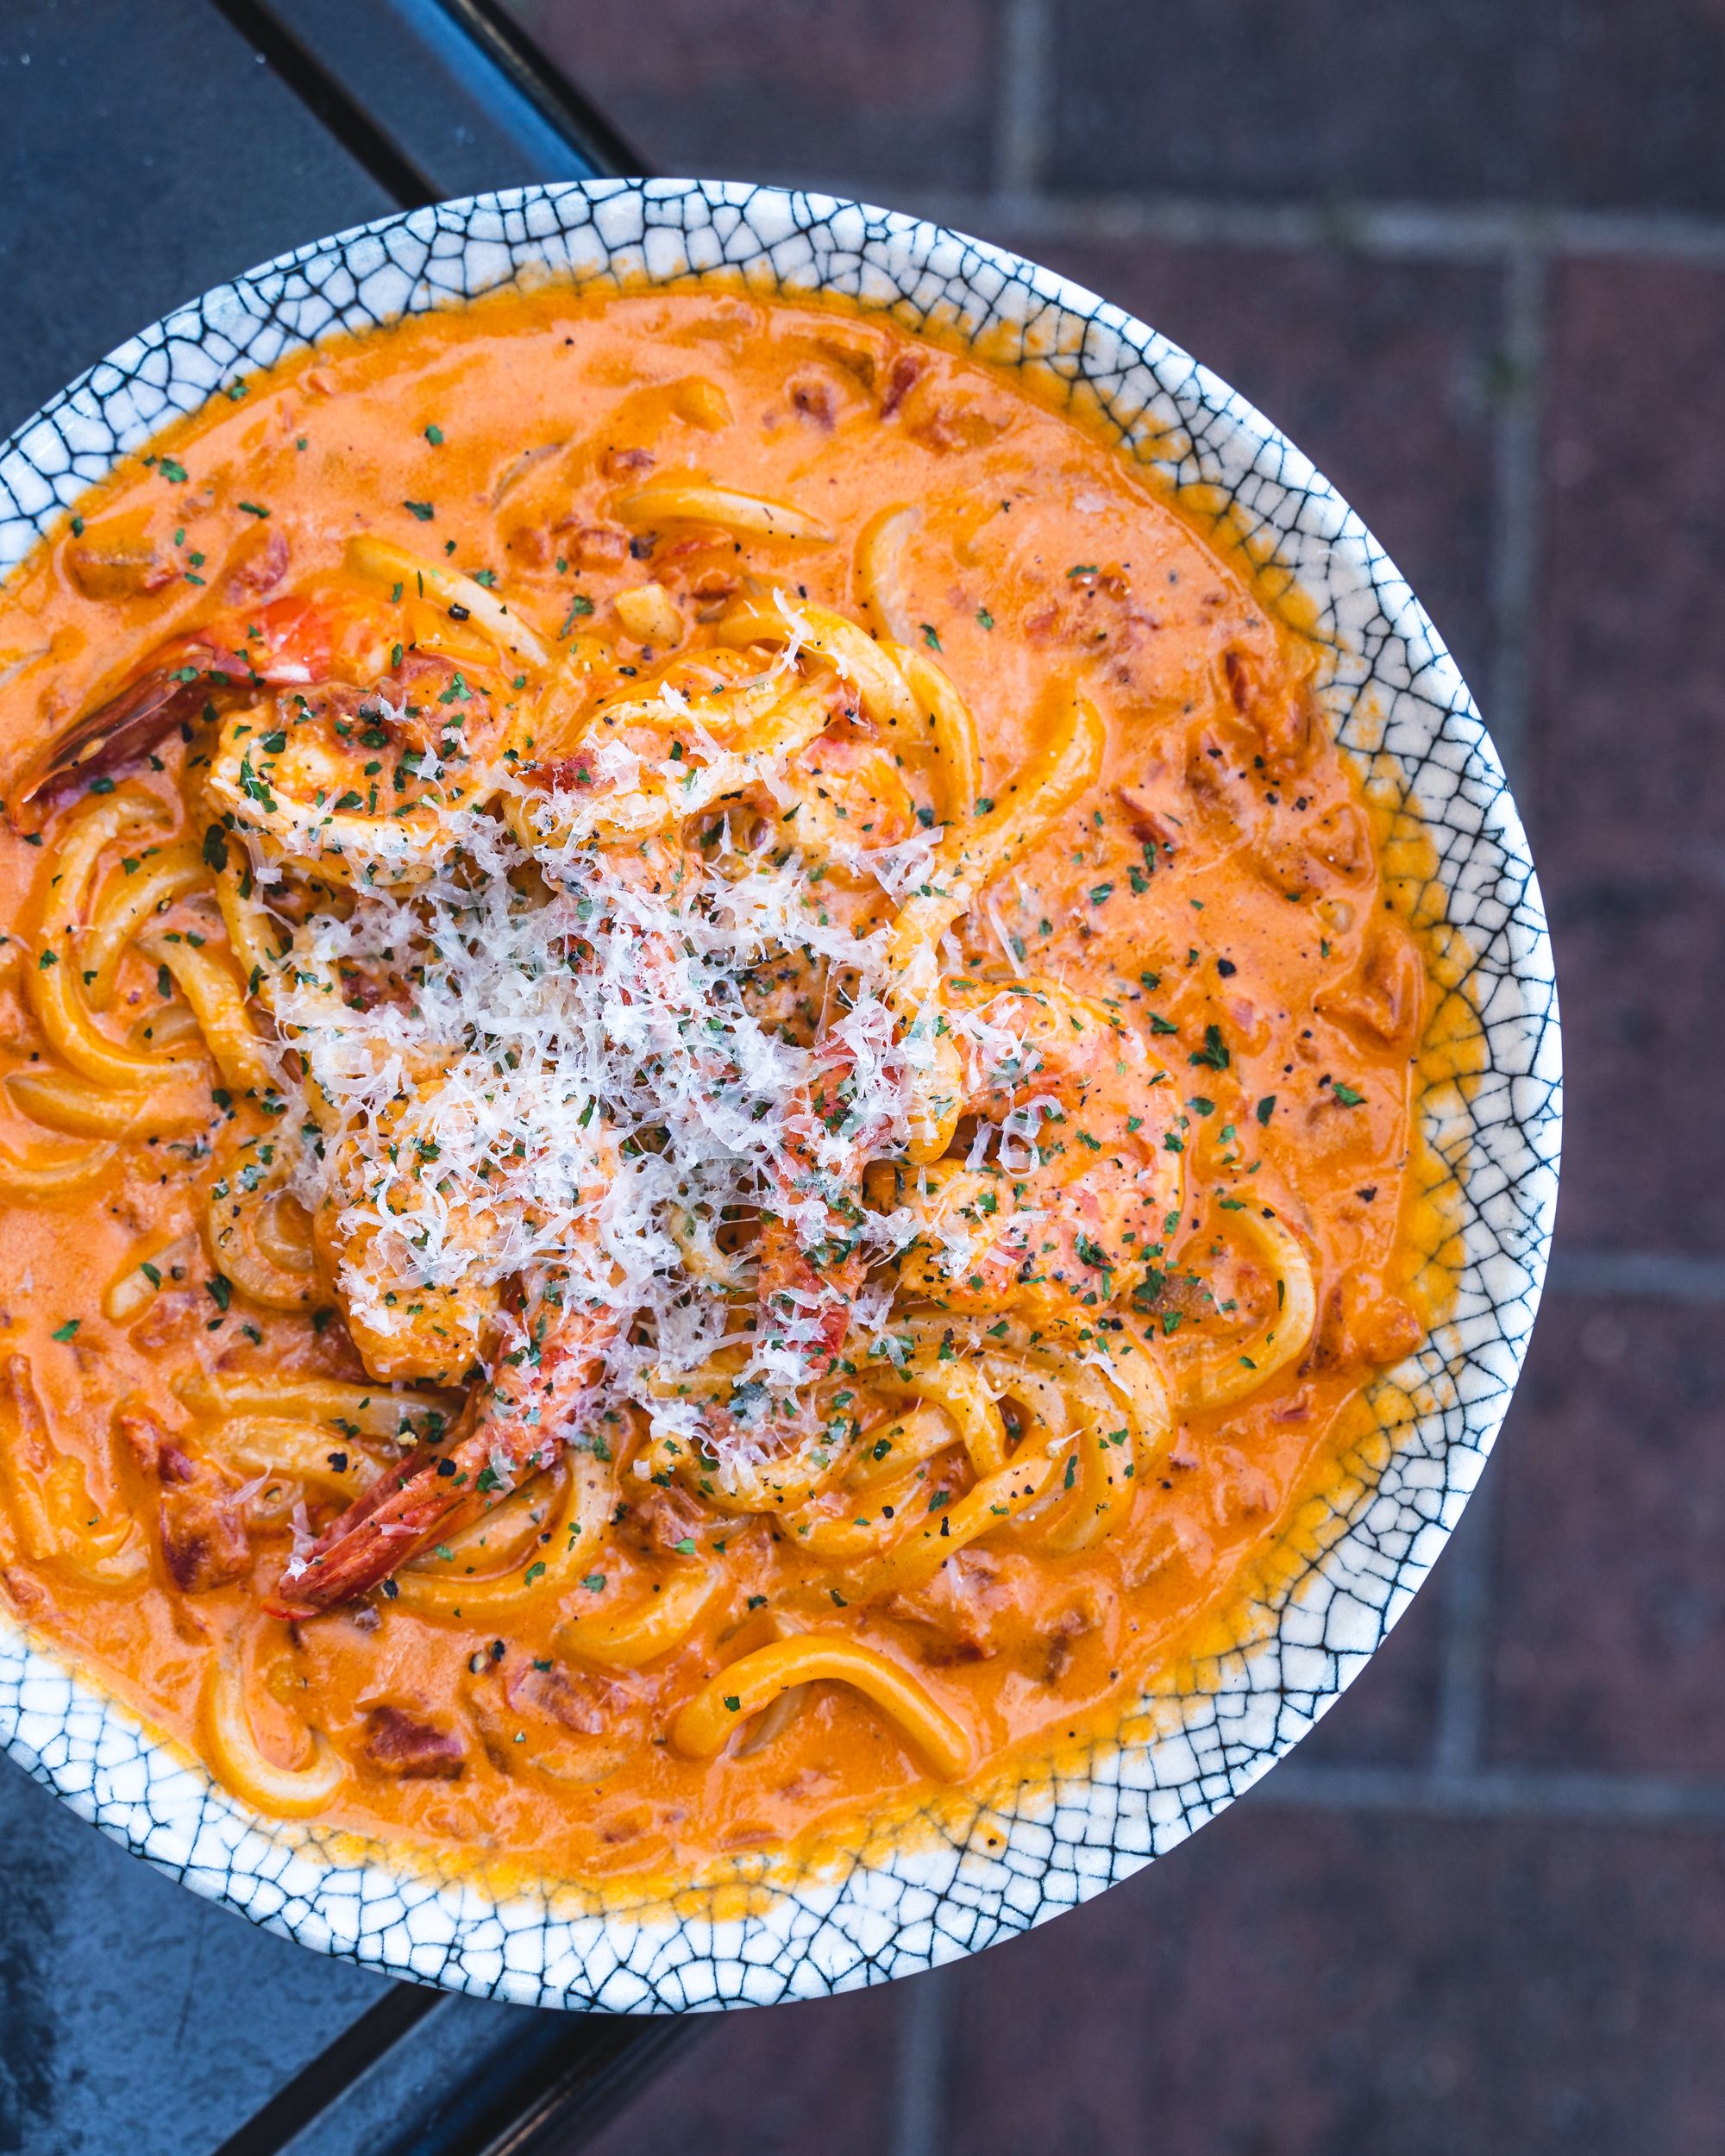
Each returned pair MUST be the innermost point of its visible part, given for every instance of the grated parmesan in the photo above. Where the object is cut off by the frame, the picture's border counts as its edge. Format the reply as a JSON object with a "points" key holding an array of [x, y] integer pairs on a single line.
{"points": [[540, 1054]]}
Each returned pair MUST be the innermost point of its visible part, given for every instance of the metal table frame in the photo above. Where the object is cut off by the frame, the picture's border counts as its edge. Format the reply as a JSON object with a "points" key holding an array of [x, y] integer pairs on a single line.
{"points": [[431, 99]]}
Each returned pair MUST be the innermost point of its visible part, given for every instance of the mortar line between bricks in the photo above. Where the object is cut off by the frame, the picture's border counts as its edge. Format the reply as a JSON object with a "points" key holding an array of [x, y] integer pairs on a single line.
{"points": [[1581, 1794], [1668, 1276], [1489, 232], [1021, 113], [1467, 1576], [1465, 1581], [919, 2065], [1516, 457]]}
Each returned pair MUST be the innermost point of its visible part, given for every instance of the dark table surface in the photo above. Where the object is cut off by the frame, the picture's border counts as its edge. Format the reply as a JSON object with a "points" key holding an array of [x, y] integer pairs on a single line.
{"points": [[148, 155]]}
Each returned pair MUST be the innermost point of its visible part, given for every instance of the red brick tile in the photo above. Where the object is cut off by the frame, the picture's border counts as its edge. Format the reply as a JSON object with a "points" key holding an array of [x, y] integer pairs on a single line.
{"points": [[1306, 1983], [1378, 370], [871, 99], [779, 2081], [1630, 743], [1567, 102], [1609, 1614]]}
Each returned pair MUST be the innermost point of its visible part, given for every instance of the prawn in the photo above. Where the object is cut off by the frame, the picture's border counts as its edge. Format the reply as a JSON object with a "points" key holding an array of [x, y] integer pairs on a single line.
{"points": [[304, 637], [513, 1427]]}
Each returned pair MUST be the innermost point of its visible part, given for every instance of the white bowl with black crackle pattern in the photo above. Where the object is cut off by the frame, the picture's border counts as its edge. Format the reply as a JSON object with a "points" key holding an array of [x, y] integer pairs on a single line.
{"points": [[1394, 698]]}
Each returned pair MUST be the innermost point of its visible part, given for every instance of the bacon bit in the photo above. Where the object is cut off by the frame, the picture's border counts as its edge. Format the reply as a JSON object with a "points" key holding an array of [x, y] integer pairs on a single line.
{"points": [[902, 377], [143, 1437], [400, 1744], [568, 774], [1382, 996], [1041, 624], [1243, 1487], [622, 464], [668, 1516], [1331, 1344], [959, 425], [859, 352], [1284, 718], [577, 1700], [201, 1527], [170, 1317], [959, 1605], [173, 1466], [118, 569], [586, 546], [599, 546], [952, 1654], [26, 1595], [1386, 1330], [1359, 1324], [256, 566], [1150, 824], [814, 397], [203, 1540], [534, 544], [1070, 1624], [1297, 1408]]}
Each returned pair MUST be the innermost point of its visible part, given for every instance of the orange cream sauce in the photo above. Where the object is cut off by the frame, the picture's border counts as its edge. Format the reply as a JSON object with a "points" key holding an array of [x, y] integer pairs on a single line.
{"points": [[1222, 884]]}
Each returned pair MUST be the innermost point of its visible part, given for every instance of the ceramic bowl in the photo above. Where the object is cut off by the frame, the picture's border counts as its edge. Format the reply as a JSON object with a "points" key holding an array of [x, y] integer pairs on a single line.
{"points": [[1395, 698]]}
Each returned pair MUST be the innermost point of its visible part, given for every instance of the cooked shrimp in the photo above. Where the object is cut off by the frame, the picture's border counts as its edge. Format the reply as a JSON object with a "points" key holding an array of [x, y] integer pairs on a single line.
{"points": [[307, 636], [513, 1427]]}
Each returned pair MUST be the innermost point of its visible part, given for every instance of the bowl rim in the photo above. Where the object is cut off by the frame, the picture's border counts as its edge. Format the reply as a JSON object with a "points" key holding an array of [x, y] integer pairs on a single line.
{"points": [[896, 1910]]}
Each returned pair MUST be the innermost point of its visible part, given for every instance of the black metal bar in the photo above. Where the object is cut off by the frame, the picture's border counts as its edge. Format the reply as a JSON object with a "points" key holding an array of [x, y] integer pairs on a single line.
{"points": [[563, 2098], [561, 102], [329, 101], [336, 2069], [435, 97]]}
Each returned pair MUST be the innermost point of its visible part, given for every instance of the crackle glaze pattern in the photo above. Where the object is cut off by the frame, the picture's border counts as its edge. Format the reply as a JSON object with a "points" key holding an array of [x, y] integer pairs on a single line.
{"points": [[907, 1900]]}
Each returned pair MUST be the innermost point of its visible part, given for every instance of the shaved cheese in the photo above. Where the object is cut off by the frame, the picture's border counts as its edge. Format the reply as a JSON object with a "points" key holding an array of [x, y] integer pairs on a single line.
{"points": [[546, 1058], [537, 1056]]}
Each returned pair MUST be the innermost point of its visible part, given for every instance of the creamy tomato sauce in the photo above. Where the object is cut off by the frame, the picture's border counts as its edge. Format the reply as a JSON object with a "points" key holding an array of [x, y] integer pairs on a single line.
{"points": [[1163, 1224]]}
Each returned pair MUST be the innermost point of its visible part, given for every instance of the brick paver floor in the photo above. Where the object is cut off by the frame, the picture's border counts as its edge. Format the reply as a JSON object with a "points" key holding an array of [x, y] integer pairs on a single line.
{"points": [[1471, 255]]}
